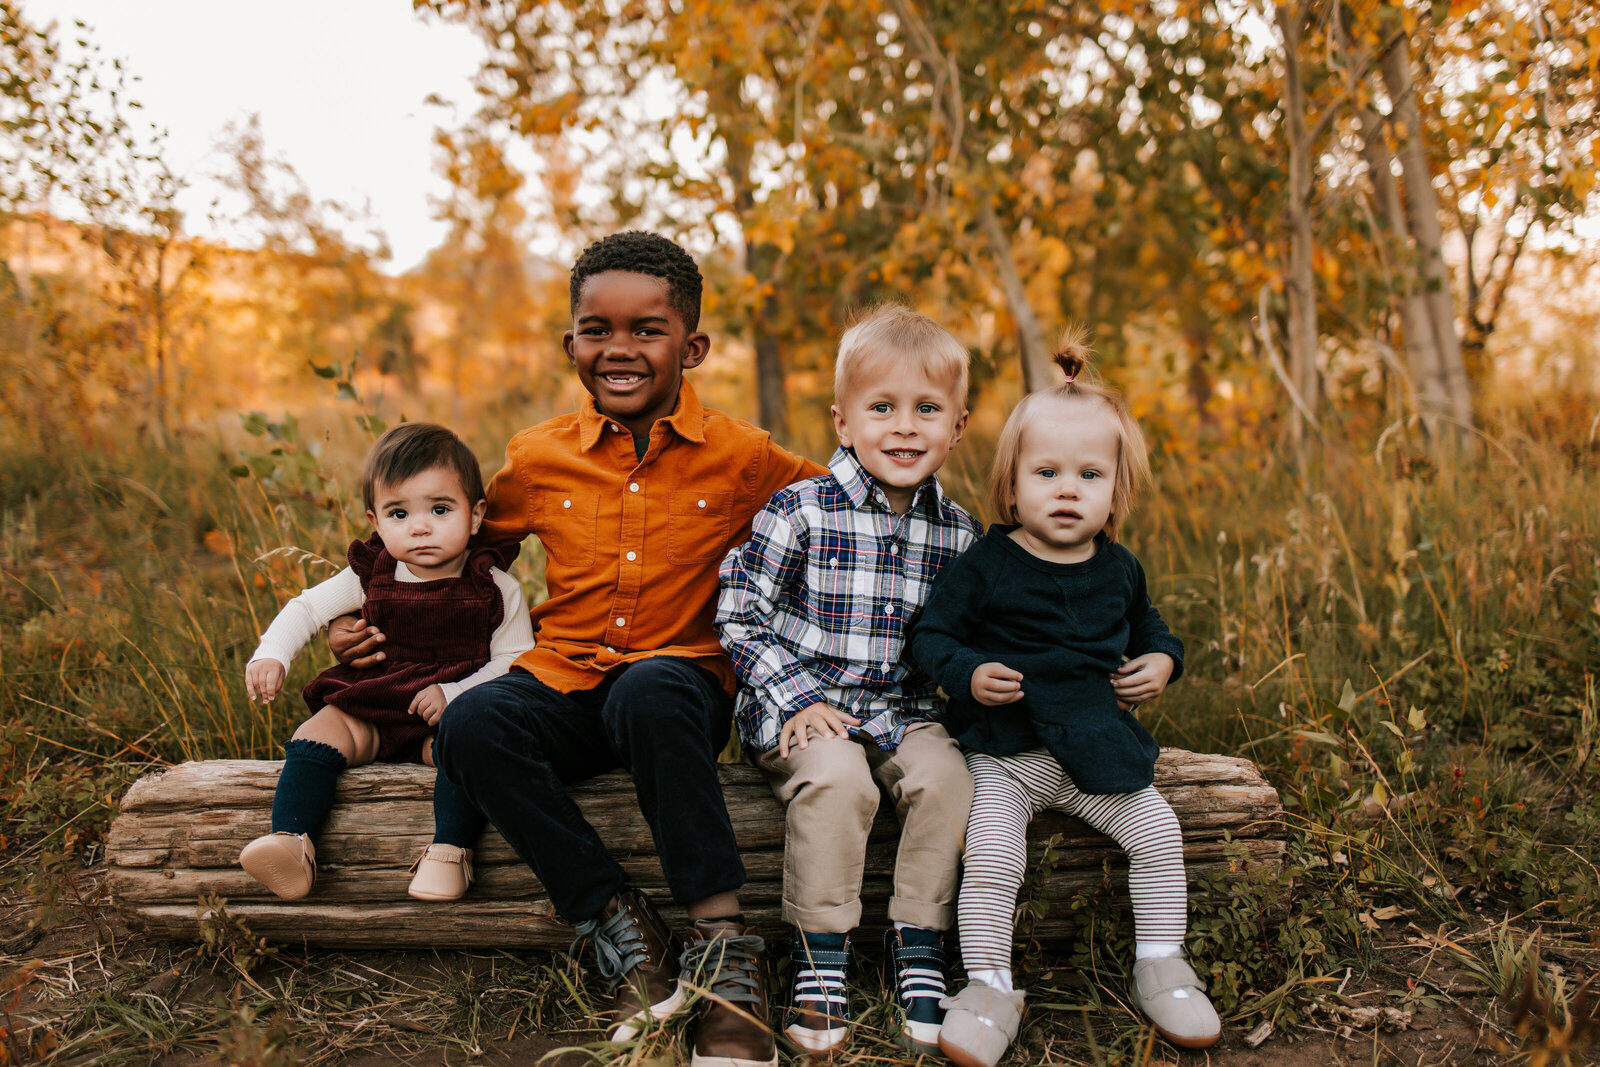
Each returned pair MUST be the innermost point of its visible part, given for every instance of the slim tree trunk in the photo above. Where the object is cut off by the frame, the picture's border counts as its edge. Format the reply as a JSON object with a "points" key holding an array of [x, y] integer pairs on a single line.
{"points": [[1422, 214], [1035, 350], [771, 395], [1302, 283]]}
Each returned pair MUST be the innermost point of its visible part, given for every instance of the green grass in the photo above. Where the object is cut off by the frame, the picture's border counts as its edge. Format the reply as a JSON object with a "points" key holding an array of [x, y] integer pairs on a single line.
{"points": [[1409, 647]]}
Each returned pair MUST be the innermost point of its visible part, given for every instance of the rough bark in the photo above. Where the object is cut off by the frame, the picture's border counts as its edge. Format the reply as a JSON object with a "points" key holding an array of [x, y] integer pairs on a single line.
{"points": [[179, 833]]}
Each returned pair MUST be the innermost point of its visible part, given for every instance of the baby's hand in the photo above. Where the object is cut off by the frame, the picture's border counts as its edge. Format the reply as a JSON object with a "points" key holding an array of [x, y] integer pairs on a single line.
{"points": [[354, 643], [262, 679], [826, 721], [429, 704], [1141, 680], [995, 683]]}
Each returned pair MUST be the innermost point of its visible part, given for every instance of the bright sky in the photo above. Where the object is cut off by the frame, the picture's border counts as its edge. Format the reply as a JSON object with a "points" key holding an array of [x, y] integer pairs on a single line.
{"points": [[339, 86]]}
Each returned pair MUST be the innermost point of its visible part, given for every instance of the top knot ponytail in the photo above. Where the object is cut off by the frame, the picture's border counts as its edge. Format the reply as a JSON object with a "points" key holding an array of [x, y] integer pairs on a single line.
{"points": [[1073, 356]]}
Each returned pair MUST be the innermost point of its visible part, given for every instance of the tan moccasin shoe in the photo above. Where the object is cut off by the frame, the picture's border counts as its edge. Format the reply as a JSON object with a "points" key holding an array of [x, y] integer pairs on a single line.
{"points": [[283, 862], [442, 872]]}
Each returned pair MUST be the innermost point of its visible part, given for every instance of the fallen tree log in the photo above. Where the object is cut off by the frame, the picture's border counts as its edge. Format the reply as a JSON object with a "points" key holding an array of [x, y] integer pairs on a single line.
{"points": [[179, 833]]}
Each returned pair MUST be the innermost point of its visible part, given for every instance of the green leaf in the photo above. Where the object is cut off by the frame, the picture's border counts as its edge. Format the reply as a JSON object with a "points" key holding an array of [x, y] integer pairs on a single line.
{"points": [[1319, 737], [324, 372], [1416, 718], [1393, 729], [1347, 699], [255, 423]]}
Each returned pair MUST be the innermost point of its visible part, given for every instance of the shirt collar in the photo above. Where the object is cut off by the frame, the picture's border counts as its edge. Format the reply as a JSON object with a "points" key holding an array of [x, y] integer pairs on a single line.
{"points": [[688, 419], [861, 488]]}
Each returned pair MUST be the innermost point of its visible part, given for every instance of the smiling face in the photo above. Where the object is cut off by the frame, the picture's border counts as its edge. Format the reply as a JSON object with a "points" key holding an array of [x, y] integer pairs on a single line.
{"points": [[631, 348], [901, 423], [1066, 477], [426, 520]]}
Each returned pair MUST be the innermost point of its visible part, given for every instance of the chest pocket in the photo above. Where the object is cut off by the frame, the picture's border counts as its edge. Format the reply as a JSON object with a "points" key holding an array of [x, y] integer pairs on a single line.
{"points": [[839, 588], [568, 522], [699, 524]]}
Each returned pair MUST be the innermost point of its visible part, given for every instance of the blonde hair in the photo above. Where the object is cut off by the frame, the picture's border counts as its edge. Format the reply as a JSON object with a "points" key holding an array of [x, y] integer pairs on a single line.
{"points": [[896, 336], [1081, 385]]}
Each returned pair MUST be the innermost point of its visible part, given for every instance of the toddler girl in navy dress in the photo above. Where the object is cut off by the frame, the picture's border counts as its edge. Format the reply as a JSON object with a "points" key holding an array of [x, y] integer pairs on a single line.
{"points": [[1044, 636], [452, 618]]}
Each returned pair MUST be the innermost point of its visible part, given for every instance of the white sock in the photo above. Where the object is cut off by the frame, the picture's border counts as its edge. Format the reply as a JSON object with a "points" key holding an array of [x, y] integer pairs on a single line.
{"points": [[1000, 979], [1155, 950], [898, 925]]}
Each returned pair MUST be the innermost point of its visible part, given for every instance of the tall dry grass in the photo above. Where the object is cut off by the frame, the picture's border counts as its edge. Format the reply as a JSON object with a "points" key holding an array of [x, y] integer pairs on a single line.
{"points": [[1409, 646]]}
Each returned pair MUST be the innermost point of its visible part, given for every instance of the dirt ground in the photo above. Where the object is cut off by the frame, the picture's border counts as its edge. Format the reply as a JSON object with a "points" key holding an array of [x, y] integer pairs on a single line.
{"points": [[79, 988]]}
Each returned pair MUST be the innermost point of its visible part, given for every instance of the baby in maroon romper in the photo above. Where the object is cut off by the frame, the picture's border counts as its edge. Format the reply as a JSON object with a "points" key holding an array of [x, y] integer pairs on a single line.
{"points": [[453, 619]]}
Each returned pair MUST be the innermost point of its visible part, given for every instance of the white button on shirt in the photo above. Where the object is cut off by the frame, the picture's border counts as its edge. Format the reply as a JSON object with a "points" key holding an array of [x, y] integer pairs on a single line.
{"points": [[633, 487], [632, 556]]}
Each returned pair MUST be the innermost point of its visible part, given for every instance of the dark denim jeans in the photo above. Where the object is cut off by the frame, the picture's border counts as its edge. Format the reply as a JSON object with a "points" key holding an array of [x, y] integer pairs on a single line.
{"points": [[512, 744]]}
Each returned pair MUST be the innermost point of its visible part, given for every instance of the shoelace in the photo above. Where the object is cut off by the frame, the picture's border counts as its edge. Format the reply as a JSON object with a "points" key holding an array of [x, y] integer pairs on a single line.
{"points": [[920, 974], [618, 944], [819, 981], [730, 963]]}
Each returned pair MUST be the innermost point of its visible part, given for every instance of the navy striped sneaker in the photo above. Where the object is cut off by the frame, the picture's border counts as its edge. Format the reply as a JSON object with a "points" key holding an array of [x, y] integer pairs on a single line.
{"points": [[914, 965], [818, 1019]]}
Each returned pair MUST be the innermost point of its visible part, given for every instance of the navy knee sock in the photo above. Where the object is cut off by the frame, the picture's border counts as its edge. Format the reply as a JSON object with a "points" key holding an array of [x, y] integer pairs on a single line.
{"points": [[456, 820], [305, 788]]}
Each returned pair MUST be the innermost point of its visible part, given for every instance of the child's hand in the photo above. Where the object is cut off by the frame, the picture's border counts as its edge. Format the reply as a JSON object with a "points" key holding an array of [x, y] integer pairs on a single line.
{"points": [[995, 684], [1141, 680], [262, 679], [826, 721], [429, 704], [354, 643]]}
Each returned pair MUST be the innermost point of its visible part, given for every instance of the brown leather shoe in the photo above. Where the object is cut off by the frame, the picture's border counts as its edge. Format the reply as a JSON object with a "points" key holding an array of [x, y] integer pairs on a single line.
{"points": [[638, 955], [723, 960]]}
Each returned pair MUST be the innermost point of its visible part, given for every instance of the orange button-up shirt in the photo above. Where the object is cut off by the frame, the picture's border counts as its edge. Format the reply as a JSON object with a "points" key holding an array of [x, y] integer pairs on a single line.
{"points": [[632, 545]]}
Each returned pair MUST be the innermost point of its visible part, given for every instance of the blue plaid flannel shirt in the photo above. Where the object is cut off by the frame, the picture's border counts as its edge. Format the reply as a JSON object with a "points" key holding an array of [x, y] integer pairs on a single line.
{"points": [[816, 605]]}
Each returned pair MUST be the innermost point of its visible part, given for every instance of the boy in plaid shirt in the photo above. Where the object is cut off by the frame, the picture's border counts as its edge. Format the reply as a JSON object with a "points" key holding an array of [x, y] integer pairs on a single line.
{"points": [[814, 610]]}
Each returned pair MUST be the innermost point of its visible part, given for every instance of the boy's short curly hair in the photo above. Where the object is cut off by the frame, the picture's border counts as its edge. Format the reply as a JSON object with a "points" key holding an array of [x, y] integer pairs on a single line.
{"points": [[639, 252], [413, 447]]}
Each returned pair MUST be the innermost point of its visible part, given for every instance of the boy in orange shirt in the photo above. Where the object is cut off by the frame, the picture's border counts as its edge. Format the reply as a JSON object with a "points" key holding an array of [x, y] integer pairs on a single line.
{"points": [[636, 497]]}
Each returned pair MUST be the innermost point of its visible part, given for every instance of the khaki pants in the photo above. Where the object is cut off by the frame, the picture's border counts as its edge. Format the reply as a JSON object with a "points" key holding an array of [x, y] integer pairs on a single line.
{"points": [[831, 791]]}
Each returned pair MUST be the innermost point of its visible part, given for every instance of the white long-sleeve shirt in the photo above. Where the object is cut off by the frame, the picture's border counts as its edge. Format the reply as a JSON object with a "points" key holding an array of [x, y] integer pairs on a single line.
{"points": [[301, 619]]}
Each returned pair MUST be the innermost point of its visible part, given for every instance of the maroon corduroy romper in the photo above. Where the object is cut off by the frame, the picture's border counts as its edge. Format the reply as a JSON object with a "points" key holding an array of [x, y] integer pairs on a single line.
{"points": [[438, 631]]}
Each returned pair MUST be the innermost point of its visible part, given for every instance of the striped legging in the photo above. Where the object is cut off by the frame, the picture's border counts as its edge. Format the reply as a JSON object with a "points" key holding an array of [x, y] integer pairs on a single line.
{"points": [[1008, 791]]}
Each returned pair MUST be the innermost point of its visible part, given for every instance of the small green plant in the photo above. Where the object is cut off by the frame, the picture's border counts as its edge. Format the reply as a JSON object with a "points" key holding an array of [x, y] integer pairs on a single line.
{"points": [[225, 937]]}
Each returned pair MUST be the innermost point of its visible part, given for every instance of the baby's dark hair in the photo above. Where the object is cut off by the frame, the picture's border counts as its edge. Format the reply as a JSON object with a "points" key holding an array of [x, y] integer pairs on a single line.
{"points": [[639, 252], [413, 447]]}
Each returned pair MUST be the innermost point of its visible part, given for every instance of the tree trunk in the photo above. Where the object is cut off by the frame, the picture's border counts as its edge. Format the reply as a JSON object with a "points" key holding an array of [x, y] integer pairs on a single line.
{"points": [[1302, 283], [1035, 350], [771, 394], [1416, 327], [1423, 217]]}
